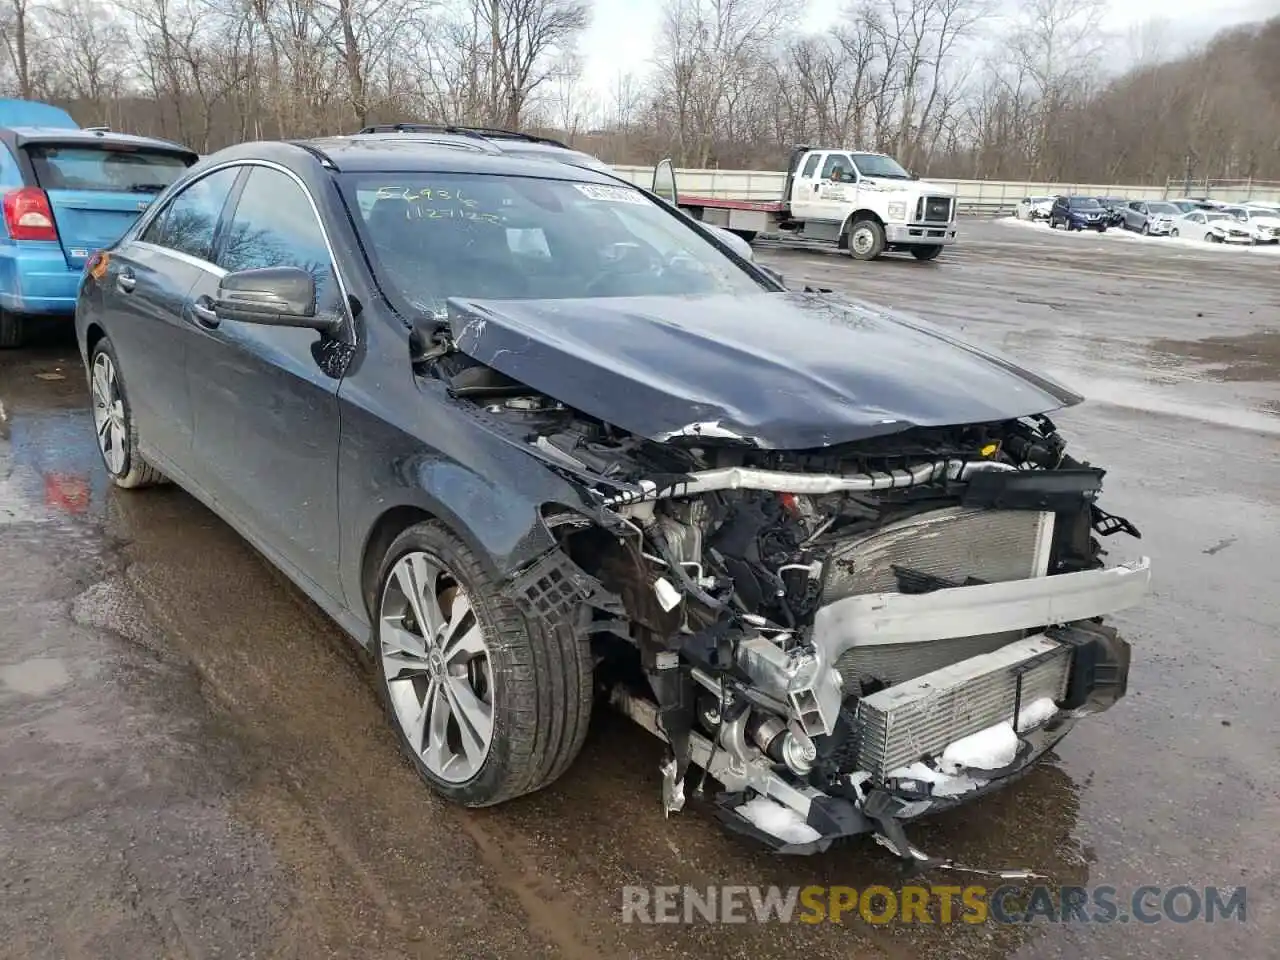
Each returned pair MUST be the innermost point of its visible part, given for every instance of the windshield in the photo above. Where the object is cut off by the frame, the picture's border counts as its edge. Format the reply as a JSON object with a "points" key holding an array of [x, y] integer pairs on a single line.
{"points": [[1215, 216], [875, 165], [1083, 203], [478, 236], [1162, 207], [113, 169]]}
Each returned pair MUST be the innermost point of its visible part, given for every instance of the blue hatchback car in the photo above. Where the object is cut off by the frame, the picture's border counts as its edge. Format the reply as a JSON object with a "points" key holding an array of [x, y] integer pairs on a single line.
{"points": [[65, 192]]}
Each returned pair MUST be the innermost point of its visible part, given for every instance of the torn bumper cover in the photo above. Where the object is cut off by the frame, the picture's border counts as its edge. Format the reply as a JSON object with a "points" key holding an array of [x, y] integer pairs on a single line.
{"points": [[940, 739]]}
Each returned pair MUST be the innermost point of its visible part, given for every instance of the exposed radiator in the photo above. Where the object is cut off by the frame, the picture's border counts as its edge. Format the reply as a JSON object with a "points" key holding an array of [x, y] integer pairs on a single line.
{"points": [[918, 718], [955, 544]]}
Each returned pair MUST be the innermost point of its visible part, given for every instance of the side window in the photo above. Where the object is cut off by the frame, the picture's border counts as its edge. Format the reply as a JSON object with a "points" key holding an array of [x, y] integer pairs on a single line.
{"points": [[810, 165], [274, 226], [187, 224], [837, 161]]}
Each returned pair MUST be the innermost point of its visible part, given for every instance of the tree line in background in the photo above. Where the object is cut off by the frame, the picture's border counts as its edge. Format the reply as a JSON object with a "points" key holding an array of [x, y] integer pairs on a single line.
{"points": [[947, 86]]}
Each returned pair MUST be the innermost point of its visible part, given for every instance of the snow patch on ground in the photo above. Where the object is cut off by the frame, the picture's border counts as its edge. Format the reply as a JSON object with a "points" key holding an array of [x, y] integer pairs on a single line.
{"points": [[1127, 236], [782, 822]]}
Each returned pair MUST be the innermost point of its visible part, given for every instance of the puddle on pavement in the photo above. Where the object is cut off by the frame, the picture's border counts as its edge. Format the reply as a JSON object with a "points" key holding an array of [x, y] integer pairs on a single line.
{"points": [[49, 464], [1135, 395], [1252, 357], [36, 677]]}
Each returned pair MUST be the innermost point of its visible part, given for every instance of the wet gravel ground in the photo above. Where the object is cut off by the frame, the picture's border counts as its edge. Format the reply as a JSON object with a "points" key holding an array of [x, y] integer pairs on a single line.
{"points": [[193, 763]]}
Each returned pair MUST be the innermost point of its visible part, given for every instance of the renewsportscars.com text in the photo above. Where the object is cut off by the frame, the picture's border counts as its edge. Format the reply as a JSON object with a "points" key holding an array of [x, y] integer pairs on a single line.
{"points": [[933, 904]]}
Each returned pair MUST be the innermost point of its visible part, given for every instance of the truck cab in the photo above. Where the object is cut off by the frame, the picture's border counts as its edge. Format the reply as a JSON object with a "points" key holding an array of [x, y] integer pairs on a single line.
{"points": [[860, 201]]}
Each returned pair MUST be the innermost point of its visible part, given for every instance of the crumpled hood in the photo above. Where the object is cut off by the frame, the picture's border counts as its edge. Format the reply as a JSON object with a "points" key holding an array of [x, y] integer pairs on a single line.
{"points": [[788, 370]]}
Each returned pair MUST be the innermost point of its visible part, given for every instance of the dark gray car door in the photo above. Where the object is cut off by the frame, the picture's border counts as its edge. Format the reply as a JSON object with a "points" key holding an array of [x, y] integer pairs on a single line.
{"points": [[263, 397], [144, 293]]}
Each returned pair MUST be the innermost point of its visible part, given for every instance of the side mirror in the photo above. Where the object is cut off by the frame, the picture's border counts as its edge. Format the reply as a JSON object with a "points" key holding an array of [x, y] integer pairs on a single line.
{"points": [[278, 296]]}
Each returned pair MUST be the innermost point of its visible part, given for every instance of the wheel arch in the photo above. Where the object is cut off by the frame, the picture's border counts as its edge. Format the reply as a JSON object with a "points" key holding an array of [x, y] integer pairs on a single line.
{"points": [[536, 540], [93, 334], [860, 214]]}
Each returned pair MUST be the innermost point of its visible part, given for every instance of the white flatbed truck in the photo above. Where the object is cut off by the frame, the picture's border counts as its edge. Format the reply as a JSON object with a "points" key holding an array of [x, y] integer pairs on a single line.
{"points": [[864, 203]]}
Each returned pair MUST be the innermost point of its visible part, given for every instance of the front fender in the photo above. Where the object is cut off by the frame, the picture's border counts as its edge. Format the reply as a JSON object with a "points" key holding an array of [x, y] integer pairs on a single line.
{"points": [[441, 461]]}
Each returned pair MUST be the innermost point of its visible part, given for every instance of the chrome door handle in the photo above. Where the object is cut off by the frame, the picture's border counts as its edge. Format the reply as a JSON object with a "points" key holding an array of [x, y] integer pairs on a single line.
{"points": [[202, 310], [126, 282]]}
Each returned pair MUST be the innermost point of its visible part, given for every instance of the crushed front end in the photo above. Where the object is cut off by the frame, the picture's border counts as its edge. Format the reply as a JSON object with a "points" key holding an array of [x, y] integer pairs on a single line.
{"points": [[843, 638]]}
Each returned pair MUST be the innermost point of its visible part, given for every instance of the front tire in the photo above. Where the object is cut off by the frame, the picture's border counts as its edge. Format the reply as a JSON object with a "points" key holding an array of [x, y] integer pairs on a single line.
{"points": [[1173, 232], [928, 252], [487, 703], [113, 423], [866, 240], [12, 330]]}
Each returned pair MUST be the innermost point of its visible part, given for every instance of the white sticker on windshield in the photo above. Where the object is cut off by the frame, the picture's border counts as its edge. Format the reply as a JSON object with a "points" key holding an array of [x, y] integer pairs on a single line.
{"points": [[598, 191]]}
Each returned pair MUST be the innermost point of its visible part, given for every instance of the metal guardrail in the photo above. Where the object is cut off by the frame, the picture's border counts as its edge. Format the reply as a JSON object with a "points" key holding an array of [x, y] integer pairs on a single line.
{"points": [[974, 197]]}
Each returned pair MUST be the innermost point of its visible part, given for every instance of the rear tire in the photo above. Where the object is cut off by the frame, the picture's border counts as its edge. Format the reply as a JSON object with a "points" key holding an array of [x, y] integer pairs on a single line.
{"points": [[866, 240], [12, 330], [927, 253], [115, 431], [525, 683], [747, 235]]}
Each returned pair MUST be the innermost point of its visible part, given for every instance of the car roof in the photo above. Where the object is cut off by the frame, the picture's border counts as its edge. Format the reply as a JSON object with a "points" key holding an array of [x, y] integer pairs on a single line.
{"points": [[89, 137], [510, 142], [437, 153]]}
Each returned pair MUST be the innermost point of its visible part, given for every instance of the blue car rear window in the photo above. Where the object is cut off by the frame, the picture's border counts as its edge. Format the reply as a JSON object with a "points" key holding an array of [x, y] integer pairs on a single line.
{"points": [[104, 168]]}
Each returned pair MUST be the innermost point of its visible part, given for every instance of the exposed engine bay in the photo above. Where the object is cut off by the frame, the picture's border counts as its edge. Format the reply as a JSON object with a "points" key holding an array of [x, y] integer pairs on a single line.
{"points": [[844, 637]]}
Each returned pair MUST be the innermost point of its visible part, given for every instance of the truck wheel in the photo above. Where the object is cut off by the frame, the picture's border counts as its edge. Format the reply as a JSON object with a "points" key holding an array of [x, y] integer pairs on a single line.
{"points": [[487, 703], [11, 331], [929, 252], [866, 240], [747, 235]]}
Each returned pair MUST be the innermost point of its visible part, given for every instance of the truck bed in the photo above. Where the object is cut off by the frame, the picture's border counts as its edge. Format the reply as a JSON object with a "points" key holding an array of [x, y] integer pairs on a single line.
{"points": [[763, 206]]}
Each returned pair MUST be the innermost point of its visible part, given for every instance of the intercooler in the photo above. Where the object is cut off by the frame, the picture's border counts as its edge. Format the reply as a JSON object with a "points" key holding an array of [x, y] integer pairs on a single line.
{"points": [[958, 545], [919, 718]]}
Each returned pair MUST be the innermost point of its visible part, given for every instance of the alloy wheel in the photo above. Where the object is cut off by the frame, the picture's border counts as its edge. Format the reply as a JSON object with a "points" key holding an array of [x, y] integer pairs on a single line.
{"points": [[436, 662], [108, 414]]}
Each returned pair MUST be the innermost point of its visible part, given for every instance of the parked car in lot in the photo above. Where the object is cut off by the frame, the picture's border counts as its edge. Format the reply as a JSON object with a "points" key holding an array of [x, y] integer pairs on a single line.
{"points": [[503, 419], [65, 192], [1078, 213], [1151, 217], [1115, 207], [1033, 208], [1213, 226], [1264, 223], [1187, 204]]}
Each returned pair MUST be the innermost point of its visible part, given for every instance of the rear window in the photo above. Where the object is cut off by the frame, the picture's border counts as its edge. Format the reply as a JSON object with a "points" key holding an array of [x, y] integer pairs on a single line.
{"points": [[106, 168]]}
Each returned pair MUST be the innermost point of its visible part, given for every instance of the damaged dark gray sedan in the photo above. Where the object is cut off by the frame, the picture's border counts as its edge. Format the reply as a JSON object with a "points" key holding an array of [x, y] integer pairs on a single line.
{"points": [[535, 440]]}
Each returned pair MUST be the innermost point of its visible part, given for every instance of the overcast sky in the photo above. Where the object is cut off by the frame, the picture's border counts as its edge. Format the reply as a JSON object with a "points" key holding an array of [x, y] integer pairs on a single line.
{"points": [[620, 38]]}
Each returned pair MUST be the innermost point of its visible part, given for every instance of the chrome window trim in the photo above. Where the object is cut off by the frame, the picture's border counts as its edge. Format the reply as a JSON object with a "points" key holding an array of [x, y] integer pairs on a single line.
{"points": [[219, 271]]}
